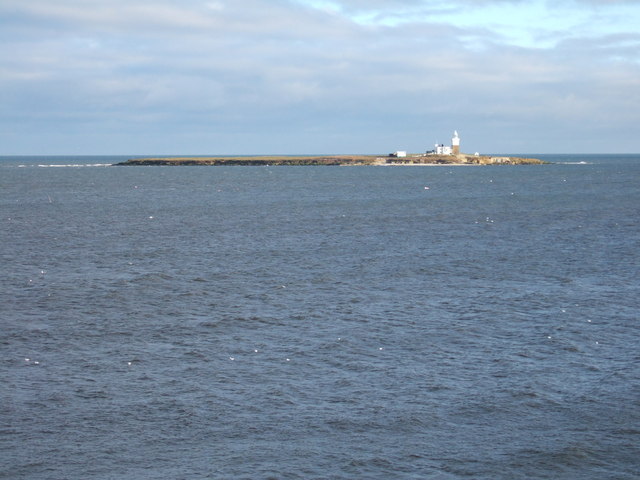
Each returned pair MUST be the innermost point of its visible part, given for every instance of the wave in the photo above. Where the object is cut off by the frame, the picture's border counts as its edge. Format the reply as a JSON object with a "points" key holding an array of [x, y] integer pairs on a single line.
{"points": [[72, 165]]}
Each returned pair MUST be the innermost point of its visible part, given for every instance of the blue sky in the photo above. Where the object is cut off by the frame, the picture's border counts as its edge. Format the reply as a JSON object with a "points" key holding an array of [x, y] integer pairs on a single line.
{"points": [[142, 77]]}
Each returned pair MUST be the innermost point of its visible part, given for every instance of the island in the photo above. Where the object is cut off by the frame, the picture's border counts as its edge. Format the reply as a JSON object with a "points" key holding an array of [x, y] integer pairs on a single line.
{"points": [[440, 155], [338, 160]]}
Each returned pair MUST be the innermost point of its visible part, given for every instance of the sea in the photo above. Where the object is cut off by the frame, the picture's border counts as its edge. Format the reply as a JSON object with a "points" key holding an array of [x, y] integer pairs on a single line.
{"points": [[283, 322]]}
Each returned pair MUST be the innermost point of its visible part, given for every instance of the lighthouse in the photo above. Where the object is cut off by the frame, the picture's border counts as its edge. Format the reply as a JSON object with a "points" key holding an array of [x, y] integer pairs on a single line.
{"points": [[455, 143]]}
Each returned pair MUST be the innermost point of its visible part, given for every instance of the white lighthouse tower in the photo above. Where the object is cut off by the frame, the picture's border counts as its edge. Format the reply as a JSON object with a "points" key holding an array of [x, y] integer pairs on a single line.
{"points": [[455, 143]]}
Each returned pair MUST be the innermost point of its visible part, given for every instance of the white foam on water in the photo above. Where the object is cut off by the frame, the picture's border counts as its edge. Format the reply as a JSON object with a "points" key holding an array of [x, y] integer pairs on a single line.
{"points": [[74, 165]]}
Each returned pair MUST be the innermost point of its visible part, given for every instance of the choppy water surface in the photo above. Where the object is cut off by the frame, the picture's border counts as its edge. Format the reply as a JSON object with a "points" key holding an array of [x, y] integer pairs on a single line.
{"points": [[320, 322]]}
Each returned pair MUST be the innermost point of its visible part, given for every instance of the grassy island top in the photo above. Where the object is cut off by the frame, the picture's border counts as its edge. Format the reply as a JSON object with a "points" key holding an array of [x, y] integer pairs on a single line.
{"points": [[343, 160]]}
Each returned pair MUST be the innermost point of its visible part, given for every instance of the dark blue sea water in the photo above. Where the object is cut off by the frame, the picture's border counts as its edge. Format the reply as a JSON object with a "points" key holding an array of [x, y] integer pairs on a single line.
{"points": [[320, 322]]}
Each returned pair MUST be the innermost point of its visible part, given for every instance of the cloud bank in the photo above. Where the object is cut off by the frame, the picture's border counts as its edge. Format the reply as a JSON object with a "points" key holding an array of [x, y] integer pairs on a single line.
{"points": [[307, 76]]}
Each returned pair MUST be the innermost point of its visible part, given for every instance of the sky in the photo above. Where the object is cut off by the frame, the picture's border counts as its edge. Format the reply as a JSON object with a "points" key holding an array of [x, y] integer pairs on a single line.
{"points": [[247, 77]]}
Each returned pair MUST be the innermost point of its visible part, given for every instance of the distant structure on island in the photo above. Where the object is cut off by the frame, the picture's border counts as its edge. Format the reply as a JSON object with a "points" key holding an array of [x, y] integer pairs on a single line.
{"points": [[442, 149], [399, 154], [455, 143]]}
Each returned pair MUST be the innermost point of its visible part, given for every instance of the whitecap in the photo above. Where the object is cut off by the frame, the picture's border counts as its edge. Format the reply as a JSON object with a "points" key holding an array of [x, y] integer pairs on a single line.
{"points": [[74, 165]]}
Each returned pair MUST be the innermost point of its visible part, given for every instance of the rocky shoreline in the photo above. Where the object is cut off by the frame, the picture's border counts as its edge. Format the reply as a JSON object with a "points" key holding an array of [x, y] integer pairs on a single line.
{"points": [[334, 160]]}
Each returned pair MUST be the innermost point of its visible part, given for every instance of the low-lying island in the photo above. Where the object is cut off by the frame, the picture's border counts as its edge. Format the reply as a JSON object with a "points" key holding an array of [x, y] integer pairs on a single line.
{"points": [[338, 160]]}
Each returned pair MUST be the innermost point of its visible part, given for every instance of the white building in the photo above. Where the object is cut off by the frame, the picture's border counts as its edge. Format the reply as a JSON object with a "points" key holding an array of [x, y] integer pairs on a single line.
{"points": [[442, 149], [453, 149]]}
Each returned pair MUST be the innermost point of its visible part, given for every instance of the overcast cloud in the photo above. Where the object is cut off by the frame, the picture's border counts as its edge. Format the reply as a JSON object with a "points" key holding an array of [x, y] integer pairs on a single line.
{"points": [[314, 76]]}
